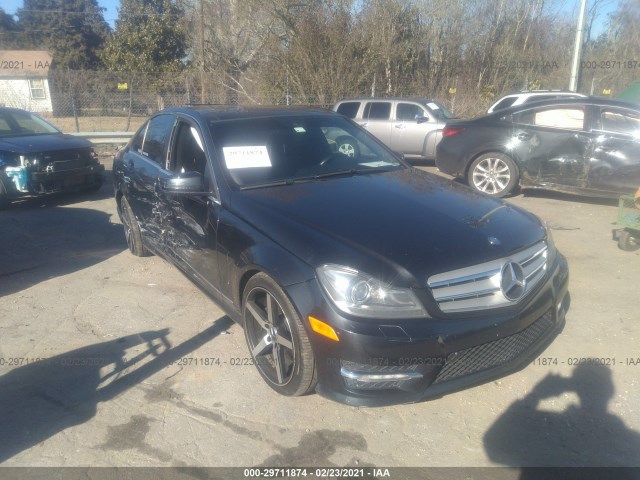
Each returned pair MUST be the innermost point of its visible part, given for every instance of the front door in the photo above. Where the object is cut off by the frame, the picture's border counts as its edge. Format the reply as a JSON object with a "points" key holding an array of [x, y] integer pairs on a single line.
{"points": [[190, 222]]}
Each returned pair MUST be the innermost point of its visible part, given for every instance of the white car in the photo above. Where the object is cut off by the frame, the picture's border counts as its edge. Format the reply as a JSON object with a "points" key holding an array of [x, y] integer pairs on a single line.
{"points": [[525, 97]]}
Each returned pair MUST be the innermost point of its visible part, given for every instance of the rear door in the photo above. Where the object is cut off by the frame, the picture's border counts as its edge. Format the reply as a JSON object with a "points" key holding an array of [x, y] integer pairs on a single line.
{"points": [[552, 144], [615, 163], [144, 166], [376, 118]]}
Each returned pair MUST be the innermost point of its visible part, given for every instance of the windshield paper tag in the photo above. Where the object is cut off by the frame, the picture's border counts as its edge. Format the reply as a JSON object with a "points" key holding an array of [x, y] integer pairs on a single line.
{"points": [[246, 157]]}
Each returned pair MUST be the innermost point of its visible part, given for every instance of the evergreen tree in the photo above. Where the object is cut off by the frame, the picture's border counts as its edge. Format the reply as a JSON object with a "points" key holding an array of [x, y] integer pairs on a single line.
{"points": [[74, 31], [148, 37]]}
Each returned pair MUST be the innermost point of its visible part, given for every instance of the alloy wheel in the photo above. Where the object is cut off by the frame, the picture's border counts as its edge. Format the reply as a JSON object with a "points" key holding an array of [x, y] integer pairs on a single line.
{"points": [[491, 175], [269, 337]]}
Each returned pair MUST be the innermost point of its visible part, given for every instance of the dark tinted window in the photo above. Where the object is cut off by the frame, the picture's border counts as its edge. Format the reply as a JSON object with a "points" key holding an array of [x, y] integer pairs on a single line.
{"points": [[157, 136], [505, 103], [188, 151], [408, 111], [377, 110], [349, 109], [539, 98], [136, 143]]}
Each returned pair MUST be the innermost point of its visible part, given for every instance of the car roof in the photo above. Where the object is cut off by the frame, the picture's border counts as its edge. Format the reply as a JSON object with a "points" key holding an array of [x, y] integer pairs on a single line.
{"points": [[607, 102], [223, 113], [391, 99]]}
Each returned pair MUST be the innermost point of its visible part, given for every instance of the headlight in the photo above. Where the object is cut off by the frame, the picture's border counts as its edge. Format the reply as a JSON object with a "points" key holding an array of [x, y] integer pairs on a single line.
{"points": [[551, 246], [360, 294]]}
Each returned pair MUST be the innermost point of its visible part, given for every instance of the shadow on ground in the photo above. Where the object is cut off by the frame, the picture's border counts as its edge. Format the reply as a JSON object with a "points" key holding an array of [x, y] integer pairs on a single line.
{"points": [[585, 434], [43, 243], [43, 398]]}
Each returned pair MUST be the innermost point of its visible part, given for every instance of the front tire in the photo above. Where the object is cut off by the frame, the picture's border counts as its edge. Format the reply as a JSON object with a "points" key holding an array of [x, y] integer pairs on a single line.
{"points": [[132, 230], [627, 242], [494, 174], [276, 338]]}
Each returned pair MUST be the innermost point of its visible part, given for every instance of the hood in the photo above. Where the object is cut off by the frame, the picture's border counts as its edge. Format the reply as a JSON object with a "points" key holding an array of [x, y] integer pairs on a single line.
{"points": [[29, 144], [402, 224]]}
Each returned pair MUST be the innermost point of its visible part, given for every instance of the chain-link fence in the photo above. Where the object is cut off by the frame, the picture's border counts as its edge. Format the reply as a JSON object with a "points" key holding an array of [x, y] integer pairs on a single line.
{"points": [[99, 101]]}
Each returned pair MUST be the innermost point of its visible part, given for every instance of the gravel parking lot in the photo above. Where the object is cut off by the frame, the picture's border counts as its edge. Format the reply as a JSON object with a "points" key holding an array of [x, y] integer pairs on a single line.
{"points": [[111, 360]]}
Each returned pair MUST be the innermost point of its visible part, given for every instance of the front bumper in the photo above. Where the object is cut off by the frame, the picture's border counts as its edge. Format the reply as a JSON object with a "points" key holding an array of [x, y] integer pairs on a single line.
{"points": [[77, 178], [377, 364]]}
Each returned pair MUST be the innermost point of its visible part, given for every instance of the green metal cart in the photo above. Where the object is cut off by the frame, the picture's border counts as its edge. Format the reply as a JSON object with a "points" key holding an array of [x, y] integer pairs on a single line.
{"points": [[628, 235]]}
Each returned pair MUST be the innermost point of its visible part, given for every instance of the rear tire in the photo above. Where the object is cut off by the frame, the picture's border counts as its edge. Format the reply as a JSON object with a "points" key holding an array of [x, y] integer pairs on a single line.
{"points": [[277, 339], [627, 242], [494, 174], [132, 230]]}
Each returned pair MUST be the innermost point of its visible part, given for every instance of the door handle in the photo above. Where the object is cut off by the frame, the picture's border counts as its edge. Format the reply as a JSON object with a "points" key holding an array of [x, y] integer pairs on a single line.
{"points": [[524, 136], [400, 125]]}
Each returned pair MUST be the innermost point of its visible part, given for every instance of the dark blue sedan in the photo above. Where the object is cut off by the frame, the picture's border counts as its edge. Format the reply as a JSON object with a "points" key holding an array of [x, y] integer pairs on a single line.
{"points": [[37, 159]]}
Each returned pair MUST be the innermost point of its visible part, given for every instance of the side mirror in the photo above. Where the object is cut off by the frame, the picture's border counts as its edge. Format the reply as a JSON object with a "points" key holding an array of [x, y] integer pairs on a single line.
{"points": [[188, 183], [421, 119]]}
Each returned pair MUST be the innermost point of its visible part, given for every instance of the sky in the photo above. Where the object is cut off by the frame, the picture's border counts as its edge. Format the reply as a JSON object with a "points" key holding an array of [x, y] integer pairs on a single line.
{"points": [[110, 15], [568, 8]]}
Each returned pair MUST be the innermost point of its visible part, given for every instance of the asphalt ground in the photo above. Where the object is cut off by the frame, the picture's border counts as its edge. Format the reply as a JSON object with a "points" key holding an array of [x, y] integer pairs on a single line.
{"points": [[111, 360]]}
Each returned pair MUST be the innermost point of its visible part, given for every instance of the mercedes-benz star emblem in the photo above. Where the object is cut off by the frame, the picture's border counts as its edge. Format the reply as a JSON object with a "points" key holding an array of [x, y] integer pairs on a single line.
{"points": [[513, 281]]}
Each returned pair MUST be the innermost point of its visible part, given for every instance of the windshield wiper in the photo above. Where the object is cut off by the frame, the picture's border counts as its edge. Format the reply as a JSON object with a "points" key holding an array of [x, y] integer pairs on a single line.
{"points": [[338, 173], [276, 183]]}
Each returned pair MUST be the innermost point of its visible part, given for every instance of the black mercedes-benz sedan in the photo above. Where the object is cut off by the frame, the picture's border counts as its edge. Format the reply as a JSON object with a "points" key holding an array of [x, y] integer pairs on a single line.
{"points": [[357, 276], [587, 146], [36, 158]]}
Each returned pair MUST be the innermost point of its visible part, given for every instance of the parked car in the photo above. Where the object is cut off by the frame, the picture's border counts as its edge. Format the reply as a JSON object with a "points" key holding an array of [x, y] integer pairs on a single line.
{"points": [[37, 159], [408, 126], [517, 99], [363, 278], [588, 146]]}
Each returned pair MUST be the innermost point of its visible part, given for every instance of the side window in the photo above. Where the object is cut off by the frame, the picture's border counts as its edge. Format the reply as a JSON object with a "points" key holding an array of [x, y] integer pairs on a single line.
{"points": [[377, 111], [505, 103], [138, 140], [570, 118], [349, 109], [539, 98], [188, 151], [565, 117], [409, 111], [157, 136], [620, 122]]}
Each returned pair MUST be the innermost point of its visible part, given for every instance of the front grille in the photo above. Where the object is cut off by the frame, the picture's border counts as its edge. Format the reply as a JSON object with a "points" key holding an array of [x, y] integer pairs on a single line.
{"points": [[478, 287], [65, 160], [65, 165], [496, 353]]}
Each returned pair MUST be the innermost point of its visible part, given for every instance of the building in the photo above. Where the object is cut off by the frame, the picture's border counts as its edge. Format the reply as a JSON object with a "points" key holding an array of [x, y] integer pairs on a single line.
{"points": [[24, 80]]}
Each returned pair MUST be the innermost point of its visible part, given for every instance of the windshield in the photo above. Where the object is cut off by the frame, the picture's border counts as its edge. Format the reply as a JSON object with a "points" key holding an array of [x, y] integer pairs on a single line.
{"points": [[16, 122], [439, 111], [287, 149]]}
